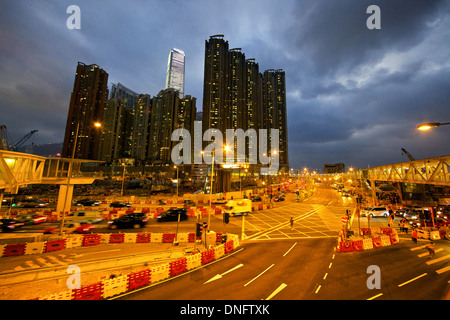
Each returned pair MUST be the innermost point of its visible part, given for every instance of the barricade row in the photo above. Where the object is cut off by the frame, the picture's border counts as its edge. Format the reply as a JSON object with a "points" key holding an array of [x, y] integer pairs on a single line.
{"points": [[132, 281], [114, 213], [9, 250], [374, 238]]}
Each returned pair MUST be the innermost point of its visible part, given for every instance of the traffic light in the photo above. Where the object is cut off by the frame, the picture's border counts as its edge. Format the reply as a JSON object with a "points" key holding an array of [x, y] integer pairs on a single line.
{"points": [[226, 217], [224, 238], [198, 230]]}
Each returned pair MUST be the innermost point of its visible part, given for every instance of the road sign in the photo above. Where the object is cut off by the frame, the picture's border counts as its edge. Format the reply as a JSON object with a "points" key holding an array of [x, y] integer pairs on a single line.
{"points": [[344, 219]]}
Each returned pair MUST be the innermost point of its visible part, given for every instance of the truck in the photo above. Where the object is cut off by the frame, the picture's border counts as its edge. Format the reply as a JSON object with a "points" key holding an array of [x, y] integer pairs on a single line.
{"points": [[238, 207]]}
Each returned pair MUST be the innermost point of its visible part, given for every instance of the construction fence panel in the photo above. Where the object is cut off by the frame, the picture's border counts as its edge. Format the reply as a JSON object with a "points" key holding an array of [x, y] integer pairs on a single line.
{"points": [[156, 238], [64, 295], [74, 241], [112, 287], [193, 261], [55, 245], [219, 251], [160, 272], [90, 292], [138, 279], [34, 248], [130, 237]]}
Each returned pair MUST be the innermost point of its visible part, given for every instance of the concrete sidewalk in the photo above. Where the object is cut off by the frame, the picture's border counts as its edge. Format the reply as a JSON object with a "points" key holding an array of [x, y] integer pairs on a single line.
{"points": [[31, 276]]}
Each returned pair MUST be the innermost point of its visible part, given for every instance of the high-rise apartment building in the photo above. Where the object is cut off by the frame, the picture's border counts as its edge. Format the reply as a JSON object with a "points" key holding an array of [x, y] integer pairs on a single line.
{"points": [[169, 112], [112, 131], [87, 102], [237, 96], [274, 110], [175, 71]]}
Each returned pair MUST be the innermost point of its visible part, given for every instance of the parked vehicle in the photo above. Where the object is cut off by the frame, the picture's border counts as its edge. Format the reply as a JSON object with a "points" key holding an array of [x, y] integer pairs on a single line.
{"points": [[87, 203], [131, 220], [91, 216], [31, 218], [256, 198], [238, 207], [10, 224], [278, 198], [31, 203], [172, 215], [71, 227], [119, 204], [375, 212], [188, 203]]}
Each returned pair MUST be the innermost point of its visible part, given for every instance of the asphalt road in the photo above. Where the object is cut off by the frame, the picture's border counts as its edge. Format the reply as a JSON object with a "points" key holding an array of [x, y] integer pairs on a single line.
{"points": [[276, 262]]}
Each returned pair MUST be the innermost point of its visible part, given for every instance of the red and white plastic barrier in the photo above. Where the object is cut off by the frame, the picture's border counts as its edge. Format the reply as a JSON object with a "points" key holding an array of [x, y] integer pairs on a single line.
{"points": [[131, 281], [373, 238]]}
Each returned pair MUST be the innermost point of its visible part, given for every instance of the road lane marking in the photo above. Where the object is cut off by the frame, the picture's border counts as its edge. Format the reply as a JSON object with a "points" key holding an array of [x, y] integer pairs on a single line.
{"points": [[219, 276], [97, 252], [325, 276], [318, 288], [289, 249], [331, 263], [258, 276], [417, 248], [277, 290], [426, 253], [422, 275], [442, 270], [438, 259], [374, 297]]}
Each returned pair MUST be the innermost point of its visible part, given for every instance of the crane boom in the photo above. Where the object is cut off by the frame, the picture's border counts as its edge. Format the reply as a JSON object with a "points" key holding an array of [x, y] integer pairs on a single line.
{"points": [[22, 140], [408, 154]]}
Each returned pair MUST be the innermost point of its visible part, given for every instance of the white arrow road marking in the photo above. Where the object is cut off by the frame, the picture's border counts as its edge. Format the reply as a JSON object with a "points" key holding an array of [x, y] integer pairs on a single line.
{"points": [[218, 276], [281, 287]]}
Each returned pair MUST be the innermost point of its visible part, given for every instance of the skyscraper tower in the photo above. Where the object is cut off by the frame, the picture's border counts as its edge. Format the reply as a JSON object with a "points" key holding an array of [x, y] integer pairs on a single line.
{"points": [[87, 103], [237, 96], [175, 71], [274, 110]]}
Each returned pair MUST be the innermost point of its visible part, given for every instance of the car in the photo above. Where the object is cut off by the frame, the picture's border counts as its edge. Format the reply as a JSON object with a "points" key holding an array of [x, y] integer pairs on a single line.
{"points": [[172, 215], [71, 227], [31, 203], [443, 212], [219, 201], [10, 224], [375, 212], [188, 203], [119, 204], [278, 198], [87, 202], [131, 220], [417, 214], [438, 222], [89, 216], [400, 212], [31, 218], [256, 199]]}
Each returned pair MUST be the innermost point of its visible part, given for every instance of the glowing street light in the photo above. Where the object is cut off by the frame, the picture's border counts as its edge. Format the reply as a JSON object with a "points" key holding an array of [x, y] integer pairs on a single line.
{"points": [[429, 125]]}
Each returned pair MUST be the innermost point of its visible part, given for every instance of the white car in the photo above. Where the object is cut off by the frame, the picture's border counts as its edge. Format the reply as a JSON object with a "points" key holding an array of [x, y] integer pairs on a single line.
{"points": [[375, 212]]}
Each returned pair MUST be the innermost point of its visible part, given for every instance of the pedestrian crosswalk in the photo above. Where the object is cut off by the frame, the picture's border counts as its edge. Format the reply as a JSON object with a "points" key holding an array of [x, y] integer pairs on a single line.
{"points": [[440, 259], [44, 261]]}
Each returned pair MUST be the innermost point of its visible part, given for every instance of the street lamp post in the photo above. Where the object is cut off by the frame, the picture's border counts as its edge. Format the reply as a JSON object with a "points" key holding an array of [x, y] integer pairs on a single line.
{"points": [[69, 173], [123, 179], [176, 167]]}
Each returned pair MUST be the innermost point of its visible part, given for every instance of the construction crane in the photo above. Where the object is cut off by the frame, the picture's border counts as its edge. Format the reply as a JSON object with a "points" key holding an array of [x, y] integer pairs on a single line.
{"points": [[408, 154], [4, 137]]}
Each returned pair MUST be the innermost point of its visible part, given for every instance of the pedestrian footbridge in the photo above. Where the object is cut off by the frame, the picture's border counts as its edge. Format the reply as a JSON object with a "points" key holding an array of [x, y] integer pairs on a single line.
{"points": [[427, 171], [21, 169]]}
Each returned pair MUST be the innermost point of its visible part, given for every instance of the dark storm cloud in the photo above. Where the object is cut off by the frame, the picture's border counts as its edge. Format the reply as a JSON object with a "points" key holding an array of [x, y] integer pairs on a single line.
{"points": [[354, 95]]}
